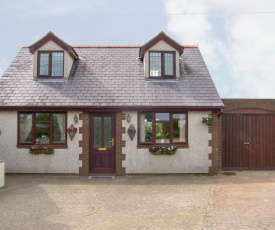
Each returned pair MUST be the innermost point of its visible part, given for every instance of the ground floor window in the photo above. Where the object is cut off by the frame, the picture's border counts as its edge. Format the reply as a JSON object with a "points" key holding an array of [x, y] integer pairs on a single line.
{"points": [[42, 128], [162, 128]]}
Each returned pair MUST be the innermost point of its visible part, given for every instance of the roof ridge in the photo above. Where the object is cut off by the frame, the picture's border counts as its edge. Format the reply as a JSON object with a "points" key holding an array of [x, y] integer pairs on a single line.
{"points": [[190, 46], [106, 46], [116, 46]]}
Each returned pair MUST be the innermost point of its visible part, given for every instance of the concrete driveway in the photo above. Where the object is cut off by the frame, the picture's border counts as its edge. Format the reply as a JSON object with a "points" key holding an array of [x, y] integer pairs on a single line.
{"points": [[242, 201]]}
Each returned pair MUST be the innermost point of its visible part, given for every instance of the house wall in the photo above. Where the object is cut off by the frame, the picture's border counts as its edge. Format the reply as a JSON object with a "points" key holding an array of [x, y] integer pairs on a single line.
{"points": [[52, 46], [160, 46], [19, 160], [194, 159], [2, 174]]}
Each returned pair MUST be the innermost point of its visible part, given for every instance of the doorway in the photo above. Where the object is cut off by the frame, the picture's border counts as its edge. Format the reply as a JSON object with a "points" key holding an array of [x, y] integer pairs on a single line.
{"points": [[102, 143]]}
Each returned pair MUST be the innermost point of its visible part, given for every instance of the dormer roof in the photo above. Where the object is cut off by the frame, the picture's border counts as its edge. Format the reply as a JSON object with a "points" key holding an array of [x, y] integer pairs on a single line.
{"points": [[52, 37], [161, 36]]}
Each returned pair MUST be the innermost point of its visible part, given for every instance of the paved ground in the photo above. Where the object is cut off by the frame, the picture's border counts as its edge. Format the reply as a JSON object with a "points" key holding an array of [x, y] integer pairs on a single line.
{"points": [[244, 201]]}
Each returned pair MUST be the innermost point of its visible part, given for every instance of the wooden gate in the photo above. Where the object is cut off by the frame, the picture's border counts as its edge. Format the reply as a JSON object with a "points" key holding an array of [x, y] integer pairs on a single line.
{"points": [[248, 141]]}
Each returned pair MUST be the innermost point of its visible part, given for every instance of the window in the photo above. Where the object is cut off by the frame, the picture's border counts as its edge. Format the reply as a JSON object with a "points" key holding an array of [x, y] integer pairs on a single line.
{"points": [[162, 64], [42, 128], [50, 63], [162, 128]]}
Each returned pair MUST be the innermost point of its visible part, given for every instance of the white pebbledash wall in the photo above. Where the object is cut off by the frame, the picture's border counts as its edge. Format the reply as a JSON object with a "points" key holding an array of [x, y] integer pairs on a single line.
{"points": [[2, 173], [21, 161], [194, 159]]}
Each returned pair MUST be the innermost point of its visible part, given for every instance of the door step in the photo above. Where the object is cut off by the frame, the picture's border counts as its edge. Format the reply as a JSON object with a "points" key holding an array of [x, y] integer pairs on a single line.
{"points": [[98, 177]]}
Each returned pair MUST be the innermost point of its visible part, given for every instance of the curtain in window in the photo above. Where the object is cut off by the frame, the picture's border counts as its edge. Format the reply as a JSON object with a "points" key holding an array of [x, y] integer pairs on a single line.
{"points": [[25, 128], [61, 123]]}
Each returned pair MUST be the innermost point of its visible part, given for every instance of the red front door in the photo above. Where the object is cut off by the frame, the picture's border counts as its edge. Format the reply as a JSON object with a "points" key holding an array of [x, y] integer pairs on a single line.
{"points": [[102, 149]]}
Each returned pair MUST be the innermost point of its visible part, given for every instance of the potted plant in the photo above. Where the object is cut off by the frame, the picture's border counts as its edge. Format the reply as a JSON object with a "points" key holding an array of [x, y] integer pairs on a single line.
{"points": [[163, 150], [208, 120]]}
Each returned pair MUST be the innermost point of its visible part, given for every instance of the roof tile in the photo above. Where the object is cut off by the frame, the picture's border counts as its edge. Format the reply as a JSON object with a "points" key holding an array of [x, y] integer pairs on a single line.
{"points": [[109, 76]]}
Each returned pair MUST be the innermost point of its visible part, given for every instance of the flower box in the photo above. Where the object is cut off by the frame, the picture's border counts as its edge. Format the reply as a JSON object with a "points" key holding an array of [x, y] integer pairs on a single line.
{"points": [[35, 150], [163, 150]]}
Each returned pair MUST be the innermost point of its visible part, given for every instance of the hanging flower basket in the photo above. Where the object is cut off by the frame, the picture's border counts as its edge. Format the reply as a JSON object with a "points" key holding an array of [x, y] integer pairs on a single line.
{"points": [[163, 150], [71, 131], [35, 150], [208, 120]]}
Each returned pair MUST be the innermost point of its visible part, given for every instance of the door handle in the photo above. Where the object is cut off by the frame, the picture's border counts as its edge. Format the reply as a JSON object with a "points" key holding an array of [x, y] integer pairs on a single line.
{"points": [[112, 141], [246, 143]]}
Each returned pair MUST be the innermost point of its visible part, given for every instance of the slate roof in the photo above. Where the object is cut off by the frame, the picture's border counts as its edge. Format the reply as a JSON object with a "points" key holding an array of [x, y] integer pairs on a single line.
{"points": [[110, 77]]}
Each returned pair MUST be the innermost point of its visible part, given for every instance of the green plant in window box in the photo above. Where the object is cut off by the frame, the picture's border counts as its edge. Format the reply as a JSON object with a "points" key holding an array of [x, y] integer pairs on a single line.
{"points": [[36, 149], [208, 120], [163, 150]]}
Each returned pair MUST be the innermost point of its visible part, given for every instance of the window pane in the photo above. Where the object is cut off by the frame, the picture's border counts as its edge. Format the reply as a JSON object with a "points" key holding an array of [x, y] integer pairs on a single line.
{"points": [[107, 132], [42, 116], [57, 64], [59, 129], [42, 133], [179, 123], [155, 64], [162, 117], [97, 132], [162, 132], [25, 135], [168, 63], [44, 64], [145, 128]]}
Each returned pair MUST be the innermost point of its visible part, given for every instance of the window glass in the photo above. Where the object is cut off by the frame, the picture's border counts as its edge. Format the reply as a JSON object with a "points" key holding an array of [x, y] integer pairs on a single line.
{"points": [[25, 135], [97, 130], [57, 64], [59, 123], [42, 132], [44, 64], [179, 123], [107, 132], [162, 117], [155, 64], [162, 128], [168, 64], [146, 122], [162, 132], [42, 116], [42, 128]]}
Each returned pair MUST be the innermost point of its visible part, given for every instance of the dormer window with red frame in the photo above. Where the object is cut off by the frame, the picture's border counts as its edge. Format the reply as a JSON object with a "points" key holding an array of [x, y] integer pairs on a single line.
{"points": [[162, 64], [50, 64]]}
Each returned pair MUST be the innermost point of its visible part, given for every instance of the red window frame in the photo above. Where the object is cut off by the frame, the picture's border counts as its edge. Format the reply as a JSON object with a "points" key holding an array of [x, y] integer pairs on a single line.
{"points": [[50, 64], [180, 144], [163, 64], [34, 122]]}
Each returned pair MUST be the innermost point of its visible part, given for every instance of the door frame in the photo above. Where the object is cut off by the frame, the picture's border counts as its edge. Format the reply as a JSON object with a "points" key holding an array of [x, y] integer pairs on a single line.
{"points": [[91, 138]]}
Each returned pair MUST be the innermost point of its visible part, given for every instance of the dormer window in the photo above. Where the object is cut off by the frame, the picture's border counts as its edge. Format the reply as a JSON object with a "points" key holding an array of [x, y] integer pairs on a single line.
{"points": [[160, 57], [53, 59], [162, 64], [50, 64]]}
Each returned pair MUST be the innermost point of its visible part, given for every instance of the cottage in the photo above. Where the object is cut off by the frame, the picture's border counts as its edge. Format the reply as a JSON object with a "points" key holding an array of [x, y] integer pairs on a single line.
{"points": [[100, 109]]}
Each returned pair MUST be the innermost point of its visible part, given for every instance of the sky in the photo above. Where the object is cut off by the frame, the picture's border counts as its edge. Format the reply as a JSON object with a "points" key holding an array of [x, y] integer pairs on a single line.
{"points": [[236, 37]]}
